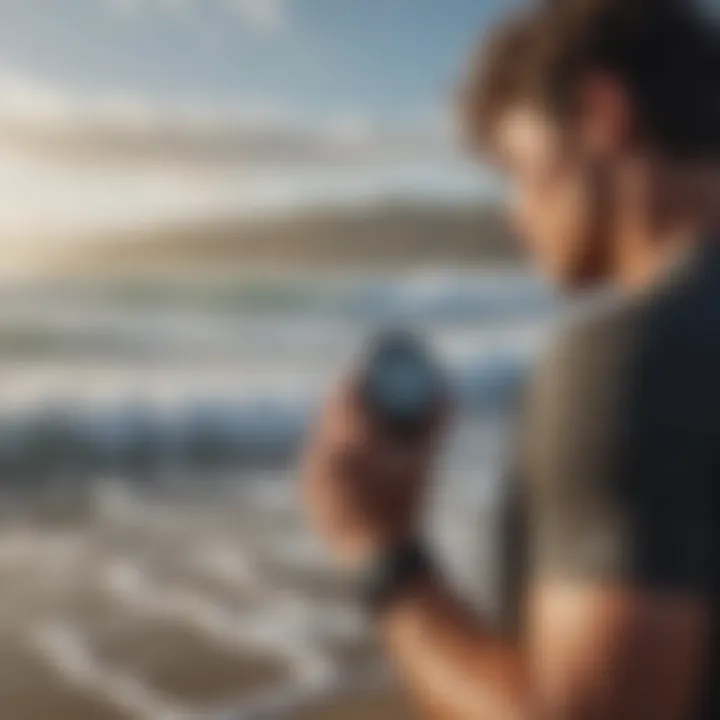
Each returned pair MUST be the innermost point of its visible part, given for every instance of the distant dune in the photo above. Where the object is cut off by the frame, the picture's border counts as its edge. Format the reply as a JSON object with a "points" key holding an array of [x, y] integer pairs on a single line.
{"points": [[387, 234]]}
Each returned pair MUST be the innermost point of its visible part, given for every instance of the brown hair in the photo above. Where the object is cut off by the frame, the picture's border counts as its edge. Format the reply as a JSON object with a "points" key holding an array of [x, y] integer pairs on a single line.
{"points": [[665, 54]]}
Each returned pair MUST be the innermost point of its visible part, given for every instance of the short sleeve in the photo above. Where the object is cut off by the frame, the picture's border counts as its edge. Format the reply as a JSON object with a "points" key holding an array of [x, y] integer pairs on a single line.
{"points": [[619, 458]]}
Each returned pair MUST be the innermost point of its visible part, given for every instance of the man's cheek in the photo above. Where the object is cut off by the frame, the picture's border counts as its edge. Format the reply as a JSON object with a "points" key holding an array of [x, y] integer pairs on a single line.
{"points": [[548, 230]]}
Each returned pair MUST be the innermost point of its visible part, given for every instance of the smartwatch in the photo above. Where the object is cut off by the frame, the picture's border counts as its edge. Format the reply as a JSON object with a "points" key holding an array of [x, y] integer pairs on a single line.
{"points": [[392, 573], [403, 385]]}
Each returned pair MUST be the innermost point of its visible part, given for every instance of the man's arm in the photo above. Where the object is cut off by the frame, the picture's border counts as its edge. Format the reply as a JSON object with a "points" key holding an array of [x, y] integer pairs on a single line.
{"points": [[617, 615], [450, 661], [590, 654], [622, 553]]}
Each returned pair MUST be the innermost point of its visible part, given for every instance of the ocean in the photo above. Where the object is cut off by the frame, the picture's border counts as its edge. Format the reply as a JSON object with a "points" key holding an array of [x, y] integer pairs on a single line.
{"points": [[154, 561]]}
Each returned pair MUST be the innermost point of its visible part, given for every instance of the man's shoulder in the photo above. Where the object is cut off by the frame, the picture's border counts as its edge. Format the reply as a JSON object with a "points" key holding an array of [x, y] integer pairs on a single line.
{"points": [[674, 325], [593, 334], [656, 351]]}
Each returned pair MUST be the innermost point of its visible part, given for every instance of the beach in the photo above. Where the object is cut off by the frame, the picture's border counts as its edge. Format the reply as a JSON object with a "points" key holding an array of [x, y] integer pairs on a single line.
{"points": [[155, 563]]}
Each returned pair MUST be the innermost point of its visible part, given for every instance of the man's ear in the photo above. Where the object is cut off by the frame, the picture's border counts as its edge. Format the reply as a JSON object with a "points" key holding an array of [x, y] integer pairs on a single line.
{"points": [[606, 115]]}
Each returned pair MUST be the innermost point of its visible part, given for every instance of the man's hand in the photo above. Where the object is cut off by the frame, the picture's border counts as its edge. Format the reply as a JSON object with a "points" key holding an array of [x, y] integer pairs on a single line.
{"points": [[363, 490], [592, 649]]}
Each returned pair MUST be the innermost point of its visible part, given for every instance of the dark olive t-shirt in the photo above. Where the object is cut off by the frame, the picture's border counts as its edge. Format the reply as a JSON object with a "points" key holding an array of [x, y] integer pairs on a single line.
{"points": [[619, 458]]}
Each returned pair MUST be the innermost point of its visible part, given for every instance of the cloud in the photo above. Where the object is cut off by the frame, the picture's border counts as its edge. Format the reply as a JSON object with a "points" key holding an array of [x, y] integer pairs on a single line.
{"points": [[263, 16], [27, 99], [79, 163], [267, 15], [41, 118]]}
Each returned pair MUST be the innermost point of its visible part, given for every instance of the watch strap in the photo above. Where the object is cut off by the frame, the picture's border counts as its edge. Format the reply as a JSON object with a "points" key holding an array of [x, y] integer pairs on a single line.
{"points": [[393, 572]]}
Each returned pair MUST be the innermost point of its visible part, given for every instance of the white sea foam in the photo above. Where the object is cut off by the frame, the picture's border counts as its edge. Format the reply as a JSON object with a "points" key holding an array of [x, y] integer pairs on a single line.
{"points": [[191, 521]]}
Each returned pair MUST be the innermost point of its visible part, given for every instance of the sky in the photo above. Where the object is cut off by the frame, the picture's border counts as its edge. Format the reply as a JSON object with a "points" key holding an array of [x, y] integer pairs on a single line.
{"points": [[115, 113]]}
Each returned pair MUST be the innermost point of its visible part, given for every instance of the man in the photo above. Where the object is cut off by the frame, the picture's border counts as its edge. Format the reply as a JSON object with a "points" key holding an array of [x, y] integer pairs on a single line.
{"points": [[605, 113]]}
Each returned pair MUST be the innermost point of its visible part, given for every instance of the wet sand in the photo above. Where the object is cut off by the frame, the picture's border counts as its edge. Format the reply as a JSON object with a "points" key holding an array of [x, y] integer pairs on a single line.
{"points": [[370, 706], [176, 612]]}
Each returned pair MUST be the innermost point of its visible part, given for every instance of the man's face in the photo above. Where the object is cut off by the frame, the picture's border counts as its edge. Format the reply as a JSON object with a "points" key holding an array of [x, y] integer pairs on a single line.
{"points": [[559, 199]]}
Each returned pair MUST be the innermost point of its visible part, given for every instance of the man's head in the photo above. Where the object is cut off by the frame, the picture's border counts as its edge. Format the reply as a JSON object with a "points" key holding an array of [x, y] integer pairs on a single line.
{"points": [[577, 99]]}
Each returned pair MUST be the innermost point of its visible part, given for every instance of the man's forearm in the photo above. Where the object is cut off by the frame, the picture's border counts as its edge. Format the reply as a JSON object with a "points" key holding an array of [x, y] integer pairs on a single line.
{"points": [[453, 665]]}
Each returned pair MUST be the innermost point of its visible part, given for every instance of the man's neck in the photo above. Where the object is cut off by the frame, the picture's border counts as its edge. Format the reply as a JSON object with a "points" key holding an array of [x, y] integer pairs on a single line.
{"points": [[645, 258], [661, 222]]}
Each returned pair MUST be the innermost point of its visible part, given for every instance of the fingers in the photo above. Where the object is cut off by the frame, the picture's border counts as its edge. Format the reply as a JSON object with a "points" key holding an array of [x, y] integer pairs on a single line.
{"points": [[362, 489], [348, 438], [344, 421]]}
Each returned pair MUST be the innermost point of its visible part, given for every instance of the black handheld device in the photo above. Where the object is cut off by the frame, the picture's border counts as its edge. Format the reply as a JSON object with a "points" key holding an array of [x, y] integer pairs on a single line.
{"points": [[403, 385]]}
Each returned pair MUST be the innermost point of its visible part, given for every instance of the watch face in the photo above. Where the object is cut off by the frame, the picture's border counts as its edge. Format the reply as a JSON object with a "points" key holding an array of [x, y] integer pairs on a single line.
{"points": [[403, 383]]}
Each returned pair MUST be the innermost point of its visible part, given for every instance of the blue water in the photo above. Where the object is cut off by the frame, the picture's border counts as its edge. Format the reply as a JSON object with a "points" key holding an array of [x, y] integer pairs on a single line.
{"points": [[163, 376], [154, 559]]}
